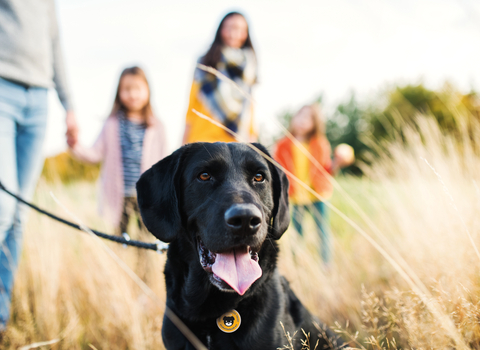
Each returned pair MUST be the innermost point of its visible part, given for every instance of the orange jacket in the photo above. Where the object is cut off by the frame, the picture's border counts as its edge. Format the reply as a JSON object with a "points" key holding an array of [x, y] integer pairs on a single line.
{"points": [[321, 150]]}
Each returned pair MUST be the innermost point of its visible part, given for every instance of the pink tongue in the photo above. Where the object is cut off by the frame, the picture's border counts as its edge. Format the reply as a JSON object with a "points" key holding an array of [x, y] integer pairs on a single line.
{"points": [[237, 269]]}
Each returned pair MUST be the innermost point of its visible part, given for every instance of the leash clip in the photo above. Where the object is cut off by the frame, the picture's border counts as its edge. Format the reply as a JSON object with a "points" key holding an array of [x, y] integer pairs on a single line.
{"points": [[127, 238], [162, 247]]}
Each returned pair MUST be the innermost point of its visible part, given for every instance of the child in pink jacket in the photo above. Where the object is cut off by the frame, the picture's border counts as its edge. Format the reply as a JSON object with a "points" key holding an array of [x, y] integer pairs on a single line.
{"points": [[131, 141]]}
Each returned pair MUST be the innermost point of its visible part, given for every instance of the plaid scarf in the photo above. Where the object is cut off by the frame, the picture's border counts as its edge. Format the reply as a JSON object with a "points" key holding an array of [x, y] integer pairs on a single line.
{"points": [[229, 105]]}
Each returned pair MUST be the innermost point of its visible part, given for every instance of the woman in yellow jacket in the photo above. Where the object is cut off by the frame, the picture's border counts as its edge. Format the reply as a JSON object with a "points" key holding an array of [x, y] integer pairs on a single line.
{"points": [[232, 54]]}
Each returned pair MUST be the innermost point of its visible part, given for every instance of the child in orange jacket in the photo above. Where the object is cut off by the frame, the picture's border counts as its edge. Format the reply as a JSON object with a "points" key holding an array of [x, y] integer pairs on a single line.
{"points": [[309, 129]]}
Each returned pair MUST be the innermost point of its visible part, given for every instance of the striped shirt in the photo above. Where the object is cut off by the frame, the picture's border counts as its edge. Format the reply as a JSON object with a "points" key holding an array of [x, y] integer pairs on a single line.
{"points": [[131, 143]]}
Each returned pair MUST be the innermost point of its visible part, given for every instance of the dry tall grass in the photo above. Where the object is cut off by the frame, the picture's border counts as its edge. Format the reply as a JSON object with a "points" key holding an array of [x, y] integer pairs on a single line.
{"points": [[68, 288], [422, 195]]}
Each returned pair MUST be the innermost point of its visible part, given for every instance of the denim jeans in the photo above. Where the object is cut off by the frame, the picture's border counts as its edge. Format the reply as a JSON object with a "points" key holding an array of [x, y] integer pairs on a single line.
{"points": [[23, 118], [318, 210]]}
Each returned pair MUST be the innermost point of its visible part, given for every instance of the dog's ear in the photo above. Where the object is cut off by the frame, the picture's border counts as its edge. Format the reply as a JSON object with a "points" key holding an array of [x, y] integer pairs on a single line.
{"points": [[157, 195], [280, 216]]}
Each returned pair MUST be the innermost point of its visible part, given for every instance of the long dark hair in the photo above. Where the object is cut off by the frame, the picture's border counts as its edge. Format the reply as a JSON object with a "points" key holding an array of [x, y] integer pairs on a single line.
{"points": [[214, 54], [147, 112]]}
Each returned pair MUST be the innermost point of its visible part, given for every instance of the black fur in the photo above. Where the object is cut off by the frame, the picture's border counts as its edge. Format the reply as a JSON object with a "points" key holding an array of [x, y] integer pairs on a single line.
{"points": [[178, 207]]}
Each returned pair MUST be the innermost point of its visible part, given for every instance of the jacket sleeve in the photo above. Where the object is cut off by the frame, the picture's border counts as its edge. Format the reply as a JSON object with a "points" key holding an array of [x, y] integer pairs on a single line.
{"points": [[162, 139], [94, 154], [280, 154], [326, 160], [276, 153], [59, 75]]}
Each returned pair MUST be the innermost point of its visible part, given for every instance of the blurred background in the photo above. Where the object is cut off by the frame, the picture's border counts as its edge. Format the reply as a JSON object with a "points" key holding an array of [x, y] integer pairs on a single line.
{"points": [[305, 49], [397, 80]]}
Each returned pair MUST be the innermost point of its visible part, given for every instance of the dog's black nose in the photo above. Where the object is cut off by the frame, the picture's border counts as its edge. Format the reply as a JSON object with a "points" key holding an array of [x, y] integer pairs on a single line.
{"points": [[243, 219]]}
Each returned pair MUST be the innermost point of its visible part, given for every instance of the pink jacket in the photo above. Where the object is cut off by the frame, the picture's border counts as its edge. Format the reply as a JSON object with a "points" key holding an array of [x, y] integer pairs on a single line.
{"points": [[107, 150]]}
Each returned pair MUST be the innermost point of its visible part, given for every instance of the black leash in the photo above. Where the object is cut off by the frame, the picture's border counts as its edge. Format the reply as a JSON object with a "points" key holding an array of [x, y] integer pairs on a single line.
{"points": [[158, 246]]}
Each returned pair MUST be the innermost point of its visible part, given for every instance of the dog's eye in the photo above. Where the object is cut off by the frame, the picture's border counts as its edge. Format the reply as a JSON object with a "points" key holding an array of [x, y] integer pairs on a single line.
{"points": [[259, 177], [204, 176]]}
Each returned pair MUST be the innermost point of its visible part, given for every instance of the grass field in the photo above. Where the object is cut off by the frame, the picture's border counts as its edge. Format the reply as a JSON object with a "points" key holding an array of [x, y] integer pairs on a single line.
{"points": [[405, 272]]}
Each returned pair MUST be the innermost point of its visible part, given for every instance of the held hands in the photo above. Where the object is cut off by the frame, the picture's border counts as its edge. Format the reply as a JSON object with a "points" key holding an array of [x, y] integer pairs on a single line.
{"points": [[72, 129]]}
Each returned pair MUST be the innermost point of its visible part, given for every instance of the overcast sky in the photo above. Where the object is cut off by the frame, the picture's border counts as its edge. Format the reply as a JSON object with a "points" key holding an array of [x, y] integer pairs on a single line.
{"points": [[304, 49]]}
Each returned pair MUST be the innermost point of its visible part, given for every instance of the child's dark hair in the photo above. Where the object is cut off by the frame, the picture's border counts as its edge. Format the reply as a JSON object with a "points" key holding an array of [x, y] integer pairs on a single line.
{"points": [[147, 111], [214, 54]]}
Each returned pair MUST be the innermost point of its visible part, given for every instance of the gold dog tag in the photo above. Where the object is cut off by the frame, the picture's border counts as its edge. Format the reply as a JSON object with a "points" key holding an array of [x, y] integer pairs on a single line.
{"points": [[229, 322]]}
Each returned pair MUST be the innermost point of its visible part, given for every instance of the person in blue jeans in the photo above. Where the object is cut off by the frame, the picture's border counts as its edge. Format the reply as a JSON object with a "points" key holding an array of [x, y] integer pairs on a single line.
{"points": [[30, 64], [318, 211]]}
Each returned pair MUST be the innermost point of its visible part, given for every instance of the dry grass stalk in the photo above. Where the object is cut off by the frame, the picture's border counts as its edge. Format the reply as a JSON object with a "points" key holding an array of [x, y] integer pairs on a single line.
{"points": [[64, 278]]}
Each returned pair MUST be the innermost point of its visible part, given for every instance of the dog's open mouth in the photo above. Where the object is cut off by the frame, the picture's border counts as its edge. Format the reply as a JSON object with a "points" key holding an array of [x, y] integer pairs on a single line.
{"points": [[237, 267]]}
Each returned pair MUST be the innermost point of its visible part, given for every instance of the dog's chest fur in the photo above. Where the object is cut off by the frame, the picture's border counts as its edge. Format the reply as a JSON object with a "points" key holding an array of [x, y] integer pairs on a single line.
{"points": [[207, 201]]}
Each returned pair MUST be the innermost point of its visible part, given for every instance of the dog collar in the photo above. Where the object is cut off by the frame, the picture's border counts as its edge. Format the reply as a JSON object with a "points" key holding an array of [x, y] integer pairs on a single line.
{"points": [[229, 322]]}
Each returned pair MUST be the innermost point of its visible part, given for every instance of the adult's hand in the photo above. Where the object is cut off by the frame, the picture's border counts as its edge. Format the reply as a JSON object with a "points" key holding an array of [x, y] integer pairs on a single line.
{"points": [[72, 129]]}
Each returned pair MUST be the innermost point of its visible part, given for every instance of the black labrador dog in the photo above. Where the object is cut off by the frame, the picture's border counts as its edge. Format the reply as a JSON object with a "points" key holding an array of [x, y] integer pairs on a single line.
{"points": [[222, 207]]}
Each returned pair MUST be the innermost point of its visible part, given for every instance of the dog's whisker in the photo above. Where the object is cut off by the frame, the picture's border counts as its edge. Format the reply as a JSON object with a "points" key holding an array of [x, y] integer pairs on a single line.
{"points": [[235, 225], [388, 250], [385, 248], [273, 245]]}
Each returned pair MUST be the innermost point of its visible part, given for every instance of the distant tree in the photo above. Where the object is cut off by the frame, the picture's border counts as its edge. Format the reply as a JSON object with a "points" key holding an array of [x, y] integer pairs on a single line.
{"points": [[342, 126], [348, 125], [363, 125], [452, 110]]}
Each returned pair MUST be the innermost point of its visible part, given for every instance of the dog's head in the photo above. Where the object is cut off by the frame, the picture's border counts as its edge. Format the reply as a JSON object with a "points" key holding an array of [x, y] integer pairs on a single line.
{"points": [[225, 199]]}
